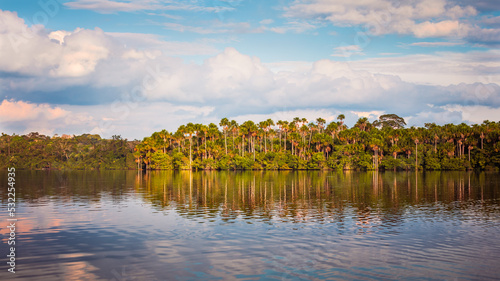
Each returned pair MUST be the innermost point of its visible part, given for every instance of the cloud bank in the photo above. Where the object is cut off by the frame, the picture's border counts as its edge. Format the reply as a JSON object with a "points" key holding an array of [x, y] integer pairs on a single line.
{"points": [[131, 84]]}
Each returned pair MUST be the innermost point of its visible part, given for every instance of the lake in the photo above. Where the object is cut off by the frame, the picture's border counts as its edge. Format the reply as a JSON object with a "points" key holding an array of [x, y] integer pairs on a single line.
{"points": [[320, 225]]}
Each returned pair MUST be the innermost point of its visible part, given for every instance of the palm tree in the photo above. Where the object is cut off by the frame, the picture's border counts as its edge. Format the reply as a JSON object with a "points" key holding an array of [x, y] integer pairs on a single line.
{"points": [[362, 123], [341, 118], [234, 127], [285, 129], [269, 123], [312, 128], [263, 126], [224, 123], [189, 131], [321, 123], [415, 139], [202, 132], [164, 135]]}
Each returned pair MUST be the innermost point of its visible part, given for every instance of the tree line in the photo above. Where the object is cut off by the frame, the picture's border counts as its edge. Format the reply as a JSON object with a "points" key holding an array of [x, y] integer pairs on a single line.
{"points": [[384, 144], [302, 144], [87, 151]]}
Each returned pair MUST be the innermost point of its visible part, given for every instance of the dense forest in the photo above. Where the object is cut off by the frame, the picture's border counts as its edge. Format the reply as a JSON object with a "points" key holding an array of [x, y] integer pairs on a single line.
{"points": [[35, 151], [298, 144]]}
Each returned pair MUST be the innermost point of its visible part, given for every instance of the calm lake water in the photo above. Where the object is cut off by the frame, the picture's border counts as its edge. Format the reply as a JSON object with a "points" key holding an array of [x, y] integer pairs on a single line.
{"points": [[125, 225]]}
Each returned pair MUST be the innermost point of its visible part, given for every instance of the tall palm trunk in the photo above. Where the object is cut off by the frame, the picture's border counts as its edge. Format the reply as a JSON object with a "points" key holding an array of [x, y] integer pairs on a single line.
{"points": [[285, 142], [190, 155], [265, 143], [416, 156]]}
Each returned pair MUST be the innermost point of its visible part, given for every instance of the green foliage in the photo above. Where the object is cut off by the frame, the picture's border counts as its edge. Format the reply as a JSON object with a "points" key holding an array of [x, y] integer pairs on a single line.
{"points": [[35, 151], [431, 161], [161, 161], [298, 145], [390, 163], [452, 164], [390, 121], [318, 161], [180, 161]]}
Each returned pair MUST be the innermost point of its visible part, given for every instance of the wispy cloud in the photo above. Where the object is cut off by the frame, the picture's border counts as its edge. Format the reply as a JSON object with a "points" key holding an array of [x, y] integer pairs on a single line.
{"points": [[435, 44], [292, 26], [109, 6], [347, 51], [214, 27], [420, 18], [69, 80]]}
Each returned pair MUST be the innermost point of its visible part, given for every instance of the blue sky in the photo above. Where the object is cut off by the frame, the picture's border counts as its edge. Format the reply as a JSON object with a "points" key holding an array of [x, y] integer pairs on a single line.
{"points": [[134, 67]]}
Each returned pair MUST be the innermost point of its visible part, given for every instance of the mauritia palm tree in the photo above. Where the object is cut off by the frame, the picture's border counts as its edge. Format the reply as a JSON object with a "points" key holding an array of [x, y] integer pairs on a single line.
{"points": [[362, 123], [321, 124], [224, 123], [341, 118], [263, 126], [267, 125], [203, 132], [312, 128], [164, 135], [233, 127], [189, 131], [283, 128]]}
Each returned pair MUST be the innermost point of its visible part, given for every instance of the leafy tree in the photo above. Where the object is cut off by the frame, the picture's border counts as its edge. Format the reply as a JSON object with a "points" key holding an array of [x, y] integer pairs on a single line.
{"points": [[390, 121]]}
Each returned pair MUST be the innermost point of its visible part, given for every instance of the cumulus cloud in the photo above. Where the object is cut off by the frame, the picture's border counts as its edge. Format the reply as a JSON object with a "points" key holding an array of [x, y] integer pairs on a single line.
{"points": [[368, 114], [440, 29], [153, 43], [310, 114], [96, 84], [27, 117], [421, 18], [475, 113], [441, 68], [125, 118], [33, 51], [11, 110]]}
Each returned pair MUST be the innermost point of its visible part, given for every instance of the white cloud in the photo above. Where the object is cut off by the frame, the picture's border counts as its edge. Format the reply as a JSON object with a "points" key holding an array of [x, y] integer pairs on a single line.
{"points": [[475, 113], [33, 51], [442, 68], [25, 117], [266, 21], [214, 27], [292, 26], [422, 18], [435, 44], [100, 69], [128, 119], [108, 6], [441, 29], [11, 110], [347, 51], [310, 114], [168, 48], [368, 114]]}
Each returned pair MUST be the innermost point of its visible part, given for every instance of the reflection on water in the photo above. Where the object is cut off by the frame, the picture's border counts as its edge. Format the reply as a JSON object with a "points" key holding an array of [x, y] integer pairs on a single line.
{"points": [[124, 225]]}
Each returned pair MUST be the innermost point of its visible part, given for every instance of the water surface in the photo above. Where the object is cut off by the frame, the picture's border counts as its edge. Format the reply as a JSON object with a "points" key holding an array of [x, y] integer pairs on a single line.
{"points": [[125, 225]]}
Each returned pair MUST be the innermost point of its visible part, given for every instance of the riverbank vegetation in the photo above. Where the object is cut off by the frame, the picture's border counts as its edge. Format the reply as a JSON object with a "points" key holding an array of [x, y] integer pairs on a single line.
{"points": [[282, 145], [36, 151]]}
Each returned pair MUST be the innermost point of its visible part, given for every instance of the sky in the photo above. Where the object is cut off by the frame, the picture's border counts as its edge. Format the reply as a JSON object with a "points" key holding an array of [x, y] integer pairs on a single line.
{"points": [[134, 67]]}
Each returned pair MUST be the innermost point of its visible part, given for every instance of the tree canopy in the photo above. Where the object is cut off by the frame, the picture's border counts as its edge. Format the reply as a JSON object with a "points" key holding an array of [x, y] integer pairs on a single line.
{"points": [[389, 121], [283, 144]]}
